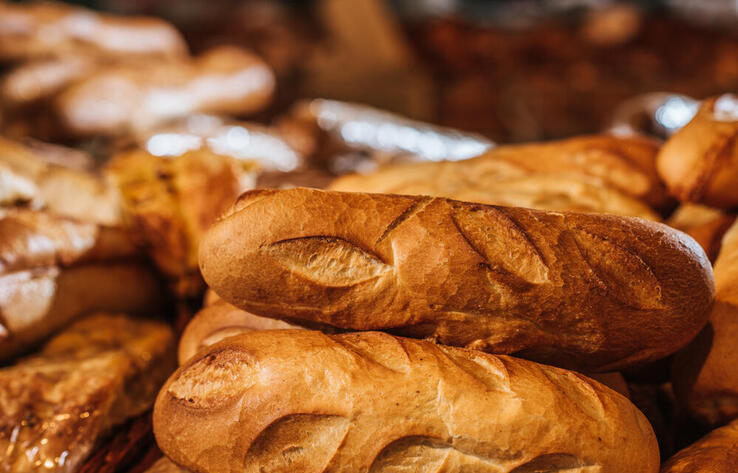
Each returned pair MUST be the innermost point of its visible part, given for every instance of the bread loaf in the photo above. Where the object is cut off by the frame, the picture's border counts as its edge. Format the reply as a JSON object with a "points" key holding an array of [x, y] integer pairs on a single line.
{"points": [[130, 98], [717, 452], [45, 29], [169, 202], [602, 174], [282, 401], [700, 162], [165, 465], [705, 373], [595, 292], [218, 321], [97, 373], [53, 270], [705, 224], [47, 176]]}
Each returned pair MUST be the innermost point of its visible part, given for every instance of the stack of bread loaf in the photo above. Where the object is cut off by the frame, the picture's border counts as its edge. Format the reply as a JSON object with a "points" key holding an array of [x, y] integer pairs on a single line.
{"points": [[534, 308], [404, 331]]}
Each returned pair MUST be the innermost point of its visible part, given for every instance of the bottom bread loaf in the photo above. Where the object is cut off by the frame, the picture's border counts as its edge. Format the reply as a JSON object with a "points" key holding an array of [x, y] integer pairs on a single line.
{"points": [[303, 401], [717, 452]]}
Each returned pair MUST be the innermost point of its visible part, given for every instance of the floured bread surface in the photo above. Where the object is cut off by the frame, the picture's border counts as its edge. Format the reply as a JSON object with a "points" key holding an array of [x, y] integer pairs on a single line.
{"points": [[285, 401]]}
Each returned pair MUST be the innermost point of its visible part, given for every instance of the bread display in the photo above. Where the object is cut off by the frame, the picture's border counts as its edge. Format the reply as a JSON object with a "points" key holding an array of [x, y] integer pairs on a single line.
{"points": [[54, 269], [96, 374], [595, 173], [715, 453], [126, 98], [700, 162], [561, 288], [218, 321], [170, 202], [53, 29], [309, 402], [705, 377], [282, 205]]}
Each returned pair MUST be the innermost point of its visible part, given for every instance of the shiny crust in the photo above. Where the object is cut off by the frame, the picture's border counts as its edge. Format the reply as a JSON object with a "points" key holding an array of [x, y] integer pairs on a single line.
{"points": [[130, 98], [700, 162], [42, 29], [704, 374], [602, 174], [304, 401], [596, 292], [717, 452], [218, 321], [54, 269], [94, 375]]}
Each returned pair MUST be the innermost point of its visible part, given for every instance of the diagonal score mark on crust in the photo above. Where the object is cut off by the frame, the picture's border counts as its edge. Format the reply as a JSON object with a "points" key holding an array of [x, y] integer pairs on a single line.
{"points": [[329, 261], [419, 204], [406, 454], [536, 270]]}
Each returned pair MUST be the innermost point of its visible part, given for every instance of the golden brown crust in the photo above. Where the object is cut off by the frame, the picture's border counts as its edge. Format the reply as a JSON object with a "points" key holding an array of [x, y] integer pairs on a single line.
{"points": [[99, 372], [717, 452], [700, 162], [127, 98], [705, 224], [47, 176], [165, 465], [591, 173], [304, 401], [218, 321], [704, 374], [54, 269], [170, 202], [598, 292], [42, 29]]}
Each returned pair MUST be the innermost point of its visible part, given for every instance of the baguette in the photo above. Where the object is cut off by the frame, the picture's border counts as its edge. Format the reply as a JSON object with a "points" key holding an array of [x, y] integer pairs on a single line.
{"points": [[53, 270], [285, 400], [218, 321], [700, 162], [705, 373], [36, 30], [96, 374], [587, 291], [717, 452], [591, 173], [131, 98]]}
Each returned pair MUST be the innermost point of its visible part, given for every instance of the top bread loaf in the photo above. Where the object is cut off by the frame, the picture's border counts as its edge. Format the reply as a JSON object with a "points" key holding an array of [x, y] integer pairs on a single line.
{"points": [[562, 288]]}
